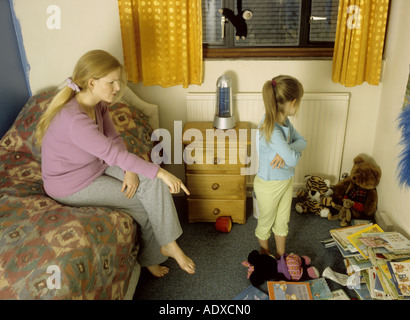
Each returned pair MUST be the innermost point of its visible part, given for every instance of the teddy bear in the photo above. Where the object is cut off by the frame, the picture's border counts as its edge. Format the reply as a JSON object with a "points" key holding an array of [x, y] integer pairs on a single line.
{"points": [[238, 20], [290, 267], [345, 213], [360, 187], [316, 197]]}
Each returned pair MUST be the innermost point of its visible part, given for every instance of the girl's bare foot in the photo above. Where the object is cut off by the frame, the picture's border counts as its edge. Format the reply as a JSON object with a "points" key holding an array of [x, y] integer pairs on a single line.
{"points": [[158, 270], [264, 244], [174, 251]]}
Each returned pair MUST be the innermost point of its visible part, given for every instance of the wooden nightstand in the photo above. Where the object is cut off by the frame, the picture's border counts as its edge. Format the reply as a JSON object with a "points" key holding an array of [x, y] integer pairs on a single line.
{"points": [[213, 171]]}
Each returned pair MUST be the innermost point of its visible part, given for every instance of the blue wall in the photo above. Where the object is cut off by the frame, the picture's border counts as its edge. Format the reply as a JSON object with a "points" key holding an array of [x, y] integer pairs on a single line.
{"points": [[13, 86]]}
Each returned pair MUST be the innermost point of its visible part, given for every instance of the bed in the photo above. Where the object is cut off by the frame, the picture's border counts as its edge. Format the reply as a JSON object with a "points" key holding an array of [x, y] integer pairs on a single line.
{"points": [[51, 251]]}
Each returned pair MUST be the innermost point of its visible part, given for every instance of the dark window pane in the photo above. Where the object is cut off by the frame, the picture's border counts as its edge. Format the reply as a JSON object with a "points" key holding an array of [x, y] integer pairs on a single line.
{"points": [[323, 20], [274, 23], [211, 22]]}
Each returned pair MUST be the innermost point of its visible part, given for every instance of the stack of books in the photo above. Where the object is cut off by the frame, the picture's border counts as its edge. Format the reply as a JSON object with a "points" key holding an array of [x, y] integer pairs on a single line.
{"points": [[381, 259]]}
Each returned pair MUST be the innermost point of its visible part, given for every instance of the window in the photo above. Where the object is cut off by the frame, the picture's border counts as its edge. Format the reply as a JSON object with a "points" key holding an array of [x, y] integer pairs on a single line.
{"points": [[276, 28]]}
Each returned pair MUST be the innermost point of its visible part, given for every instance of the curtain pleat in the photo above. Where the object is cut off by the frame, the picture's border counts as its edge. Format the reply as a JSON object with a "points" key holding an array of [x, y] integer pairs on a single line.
{"points": [[162, 41], [359, 42]]}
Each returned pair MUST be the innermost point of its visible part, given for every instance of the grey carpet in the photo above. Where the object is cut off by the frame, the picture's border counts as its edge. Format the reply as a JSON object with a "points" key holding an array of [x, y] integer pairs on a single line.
{"points": [[218, 256]]}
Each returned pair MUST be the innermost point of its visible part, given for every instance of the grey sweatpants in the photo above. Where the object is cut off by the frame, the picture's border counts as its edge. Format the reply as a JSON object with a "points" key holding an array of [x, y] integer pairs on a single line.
{"points": [[152, 207]]}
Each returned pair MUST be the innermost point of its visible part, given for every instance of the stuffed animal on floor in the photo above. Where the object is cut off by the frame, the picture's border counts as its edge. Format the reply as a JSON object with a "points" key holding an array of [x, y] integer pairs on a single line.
{"points": [[345, 213], [289, 268], [238, 20], [360, 187], [316, 197]]}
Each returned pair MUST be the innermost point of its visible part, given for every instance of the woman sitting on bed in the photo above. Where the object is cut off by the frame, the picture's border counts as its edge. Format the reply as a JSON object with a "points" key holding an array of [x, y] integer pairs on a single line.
{"points": [[86, 163]]}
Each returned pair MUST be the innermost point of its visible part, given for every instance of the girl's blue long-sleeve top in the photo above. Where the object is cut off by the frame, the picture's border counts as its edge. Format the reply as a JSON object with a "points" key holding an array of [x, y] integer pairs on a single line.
{"points": [[285, 141]]}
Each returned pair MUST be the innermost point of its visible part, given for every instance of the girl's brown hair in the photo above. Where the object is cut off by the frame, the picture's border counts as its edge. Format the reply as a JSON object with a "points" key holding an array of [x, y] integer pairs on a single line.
{"points": [[94, 64], [276, 93]]}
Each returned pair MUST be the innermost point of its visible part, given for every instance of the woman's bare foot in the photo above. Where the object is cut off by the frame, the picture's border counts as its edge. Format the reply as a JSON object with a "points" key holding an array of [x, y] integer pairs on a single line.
{"points": [[158, 270], [174, 251]]}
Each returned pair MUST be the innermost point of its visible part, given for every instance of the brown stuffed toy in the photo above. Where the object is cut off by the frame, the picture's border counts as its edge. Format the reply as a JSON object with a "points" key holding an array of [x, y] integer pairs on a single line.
{"points": [[360, 187], [345, 214]]}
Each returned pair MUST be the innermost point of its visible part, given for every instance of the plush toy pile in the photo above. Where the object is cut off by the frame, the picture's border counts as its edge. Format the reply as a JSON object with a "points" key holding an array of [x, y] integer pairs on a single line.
{"points": [[344, 212], [289, 268], [316, 196], [360, 187], [352, 198]]}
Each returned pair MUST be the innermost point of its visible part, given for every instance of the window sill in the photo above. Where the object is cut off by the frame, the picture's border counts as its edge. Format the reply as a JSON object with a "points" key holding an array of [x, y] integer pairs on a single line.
{"points": [[267, 53]]}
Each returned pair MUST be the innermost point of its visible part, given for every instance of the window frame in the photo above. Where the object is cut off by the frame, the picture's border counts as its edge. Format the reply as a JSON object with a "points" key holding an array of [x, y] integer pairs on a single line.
{"points": [[305, 49]]}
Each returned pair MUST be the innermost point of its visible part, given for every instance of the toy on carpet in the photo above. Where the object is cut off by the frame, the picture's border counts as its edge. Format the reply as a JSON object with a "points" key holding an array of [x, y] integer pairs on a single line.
{"points": [[223, 224], [360, 187], [345, 213], [238, 20], [316, 197], [263, 267]]}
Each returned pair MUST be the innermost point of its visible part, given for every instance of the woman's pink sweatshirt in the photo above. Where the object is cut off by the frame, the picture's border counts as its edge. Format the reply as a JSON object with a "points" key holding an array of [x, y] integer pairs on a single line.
{"points": [[76, 150]]}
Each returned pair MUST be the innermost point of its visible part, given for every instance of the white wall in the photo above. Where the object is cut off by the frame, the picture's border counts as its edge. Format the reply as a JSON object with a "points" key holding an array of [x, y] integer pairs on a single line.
{"points": [[52, 53], [91, 24], [392, 199]]}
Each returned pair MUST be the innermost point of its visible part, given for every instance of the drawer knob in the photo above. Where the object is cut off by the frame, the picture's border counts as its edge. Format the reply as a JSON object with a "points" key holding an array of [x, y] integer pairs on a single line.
{"points": [[216, 211], [215, 186]]}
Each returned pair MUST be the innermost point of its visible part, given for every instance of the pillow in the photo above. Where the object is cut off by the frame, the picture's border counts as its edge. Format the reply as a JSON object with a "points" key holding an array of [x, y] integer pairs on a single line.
{"points": [[20, 137], [134, 128], [128, 120]]}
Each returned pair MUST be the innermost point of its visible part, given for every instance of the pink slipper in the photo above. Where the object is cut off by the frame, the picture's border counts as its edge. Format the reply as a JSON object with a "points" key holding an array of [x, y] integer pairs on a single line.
{"points": [[307, 260], [313, 272]]}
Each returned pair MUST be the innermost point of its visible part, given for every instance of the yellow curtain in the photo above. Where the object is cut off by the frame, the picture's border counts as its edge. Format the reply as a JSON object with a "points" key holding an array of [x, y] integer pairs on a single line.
{"points": [[162, 41], [359, 42]]}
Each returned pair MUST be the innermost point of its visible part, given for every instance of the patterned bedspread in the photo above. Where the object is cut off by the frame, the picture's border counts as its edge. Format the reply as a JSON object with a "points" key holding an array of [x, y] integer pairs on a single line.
{"points": [[51, 251]]}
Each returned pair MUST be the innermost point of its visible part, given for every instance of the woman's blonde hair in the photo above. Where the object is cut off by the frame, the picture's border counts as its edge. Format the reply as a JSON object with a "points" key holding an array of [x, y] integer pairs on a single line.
{"points": [[94, 64], [276, 93]]}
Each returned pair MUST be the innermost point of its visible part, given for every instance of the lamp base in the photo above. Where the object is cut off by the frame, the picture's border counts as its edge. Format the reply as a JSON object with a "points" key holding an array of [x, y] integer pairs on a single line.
{"points": [[224, 123]]}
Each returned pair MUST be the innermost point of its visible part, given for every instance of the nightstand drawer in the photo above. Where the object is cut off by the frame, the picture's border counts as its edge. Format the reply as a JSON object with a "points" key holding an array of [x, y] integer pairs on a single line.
{"points": [[208, 186], [209, 210], [207, 160], [214, 160]]}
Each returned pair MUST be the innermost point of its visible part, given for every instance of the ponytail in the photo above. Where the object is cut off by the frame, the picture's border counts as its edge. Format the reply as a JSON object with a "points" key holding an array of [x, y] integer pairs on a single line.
{"points": [[271, 108], [58, 103]]}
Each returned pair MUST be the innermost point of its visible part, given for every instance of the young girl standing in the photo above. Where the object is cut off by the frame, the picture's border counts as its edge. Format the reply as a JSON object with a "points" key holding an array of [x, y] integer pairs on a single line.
{"points": [[278, 140]]}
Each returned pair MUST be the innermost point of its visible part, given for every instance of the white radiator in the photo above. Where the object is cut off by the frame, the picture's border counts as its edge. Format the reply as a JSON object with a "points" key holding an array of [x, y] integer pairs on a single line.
{"points": [[321, 120]]}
